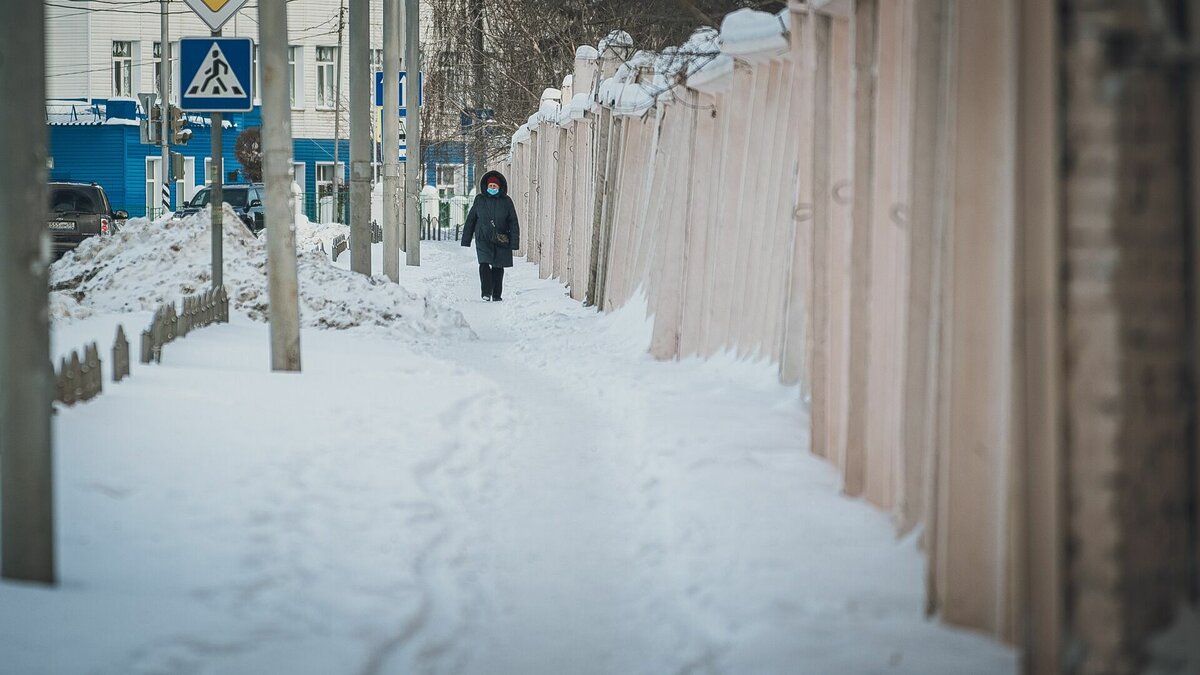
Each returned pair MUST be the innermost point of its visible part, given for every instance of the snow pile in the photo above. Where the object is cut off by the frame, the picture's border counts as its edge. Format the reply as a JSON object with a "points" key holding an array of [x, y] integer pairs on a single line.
{"points": [[312, 236], [147, 264], [1176, 651]]}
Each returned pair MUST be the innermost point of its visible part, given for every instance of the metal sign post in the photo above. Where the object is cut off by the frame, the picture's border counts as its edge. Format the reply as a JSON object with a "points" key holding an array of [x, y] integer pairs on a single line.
{"points": [[215, 77]]}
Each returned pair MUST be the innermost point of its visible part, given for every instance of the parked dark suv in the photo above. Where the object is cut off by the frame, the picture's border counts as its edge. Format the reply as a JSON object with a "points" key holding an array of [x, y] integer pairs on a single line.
{"points": [[245, 200], [79, 211]]}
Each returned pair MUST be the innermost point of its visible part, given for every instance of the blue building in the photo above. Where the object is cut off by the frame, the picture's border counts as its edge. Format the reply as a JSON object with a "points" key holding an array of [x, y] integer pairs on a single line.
{"points": [[100, 141]]}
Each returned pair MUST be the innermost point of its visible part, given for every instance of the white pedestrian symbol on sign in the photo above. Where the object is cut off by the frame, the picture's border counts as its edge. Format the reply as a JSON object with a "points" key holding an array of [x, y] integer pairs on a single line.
{"points": [[215, 79]]}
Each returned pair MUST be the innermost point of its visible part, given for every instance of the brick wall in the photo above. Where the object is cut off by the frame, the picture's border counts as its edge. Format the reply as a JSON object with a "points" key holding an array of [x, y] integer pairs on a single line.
{"points": [[1129, 396]]}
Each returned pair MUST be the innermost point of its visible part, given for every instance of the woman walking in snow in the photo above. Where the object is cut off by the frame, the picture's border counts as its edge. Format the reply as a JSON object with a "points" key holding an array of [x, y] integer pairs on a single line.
{"points": [[492, 221]]}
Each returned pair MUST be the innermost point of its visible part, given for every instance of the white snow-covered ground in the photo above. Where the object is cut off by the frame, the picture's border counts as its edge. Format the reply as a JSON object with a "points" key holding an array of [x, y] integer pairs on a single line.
{"points": [[534, 495]]}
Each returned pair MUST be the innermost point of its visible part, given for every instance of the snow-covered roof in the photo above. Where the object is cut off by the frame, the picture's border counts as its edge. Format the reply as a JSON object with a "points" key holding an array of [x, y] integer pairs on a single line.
{"points": [[66, 112], [74, 113]]}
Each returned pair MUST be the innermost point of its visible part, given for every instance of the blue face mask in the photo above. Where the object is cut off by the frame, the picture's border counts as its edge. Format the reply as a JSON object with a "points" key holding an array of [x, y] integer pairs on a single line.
{"points": [[493, 191]]}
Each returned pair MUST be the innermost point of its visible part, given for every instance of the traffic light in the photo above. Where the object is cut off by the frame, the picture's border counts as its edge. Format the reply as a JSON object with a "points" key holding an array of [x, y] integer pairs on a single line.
{"points": [[151, 127], [180, 133], [177, 167]]}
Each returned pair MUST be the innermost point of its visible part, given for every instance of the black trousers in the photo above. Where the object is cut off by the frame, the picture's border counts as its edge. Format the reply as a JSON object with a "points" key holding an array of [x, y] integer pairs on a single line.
{"points": [[491, 280]]}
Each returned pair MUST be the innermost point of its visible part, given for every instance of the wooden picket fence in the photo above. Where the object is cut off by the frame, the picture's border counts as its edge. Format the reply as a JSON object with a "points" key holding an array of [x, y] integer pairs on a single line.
{"points": [[168, 325], [79, 379]]}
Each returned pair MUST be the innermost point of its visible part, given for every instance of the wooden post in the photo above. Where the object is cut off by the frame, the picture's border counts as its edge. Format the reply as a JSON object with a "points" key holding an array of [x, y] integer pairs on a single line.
{"points": [[120, 356], [1040, 371], [866, 62]]}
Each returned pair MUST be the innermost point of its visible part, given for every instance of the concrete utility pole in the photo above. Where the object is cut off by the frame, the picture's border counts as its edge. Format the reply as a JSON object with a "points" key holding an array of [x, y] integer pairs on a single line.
{"points": [[337, 116], [392, 17], [412, 126], [360, 136], [26, 485], [164, 90], [282, 283], [217, 198]]}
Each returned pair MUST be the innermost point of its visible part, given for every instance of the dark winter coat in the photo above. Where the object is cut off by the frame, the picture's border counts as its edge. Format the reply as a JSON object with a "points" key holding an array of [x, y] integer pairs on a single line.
{"points": [[493, 214]]}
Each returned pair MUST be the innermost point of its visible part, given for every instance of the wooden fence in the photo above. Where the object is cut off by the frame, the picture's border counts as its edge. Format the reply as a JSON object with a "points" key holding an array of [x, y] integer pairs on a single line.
{"points": [[79, 379], [832, 188]]}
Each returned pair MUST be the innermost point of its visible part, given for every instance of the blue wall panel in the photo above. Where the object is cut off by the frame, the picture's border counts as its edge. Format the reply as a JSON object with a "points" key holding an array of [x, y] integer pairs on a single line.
{"points": [[113, 156]]}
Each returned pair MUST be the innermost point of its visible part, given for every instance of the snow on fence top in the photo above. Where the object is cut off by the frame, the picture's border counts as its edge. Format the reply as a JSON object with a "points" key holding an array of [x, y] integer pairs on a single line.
{"points": [[615, 39], [751, 33], [704, 63]]}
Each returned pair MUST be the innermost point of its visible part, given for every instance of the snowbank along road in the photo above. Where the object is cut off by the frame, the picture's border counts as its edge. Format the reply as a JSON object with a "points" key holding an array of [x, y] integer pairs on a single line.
{"points": [[529, 495]]}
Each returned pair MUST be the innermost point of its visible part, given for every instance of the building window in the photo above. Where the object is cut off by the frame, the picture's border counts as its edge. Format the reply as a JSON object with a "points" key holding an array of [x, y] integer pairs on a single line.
{"points": [[208, 170], [376, 60], [326, 77], [154, 181], [329, 204], [294, 65], [122, 68], [158, 68]]}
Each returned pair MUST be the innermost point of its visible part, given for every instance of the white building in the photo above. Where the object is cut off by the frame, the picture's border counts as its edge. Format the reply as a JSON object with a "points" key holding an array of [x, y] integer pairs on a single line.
{"points": [[100, 50]]}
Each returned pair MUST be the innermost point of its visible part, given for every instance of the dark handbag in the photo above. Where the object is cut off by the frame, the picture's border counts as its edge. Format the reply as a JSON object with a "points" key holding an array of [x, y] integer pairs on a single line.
{"points": [[499, 238]]}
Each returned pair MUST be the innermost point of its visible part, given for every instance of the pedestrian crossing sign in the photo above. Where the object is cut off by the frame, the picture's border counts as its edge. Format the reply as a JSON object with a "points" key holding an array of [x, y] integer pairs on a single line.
{"points": [[215, 74]]}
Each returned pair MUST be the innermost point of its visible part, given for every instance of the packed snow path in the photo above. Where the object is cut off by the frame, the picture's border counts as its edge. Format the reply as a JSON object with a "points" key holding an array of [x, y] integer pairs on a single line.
{"points": [[545, 499]]}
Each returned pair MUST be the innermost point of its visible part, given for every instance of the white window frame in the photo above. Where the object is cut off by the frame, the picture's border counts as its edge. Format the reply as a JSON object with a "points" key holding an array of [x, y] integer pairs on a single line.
{"points": [[185, 187], [298, 175], [296, 73], [326, 77], [156, 59], [119, 63], [153, 187], [328, 182], [455, 186], [176, 86], [208, 171]]}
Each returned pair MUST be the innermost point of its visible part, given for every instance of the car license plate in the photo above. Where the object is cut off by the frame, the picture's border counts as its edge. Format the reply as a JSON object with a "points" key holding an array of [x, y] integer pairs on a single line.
{"points": [[62, 224]]}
